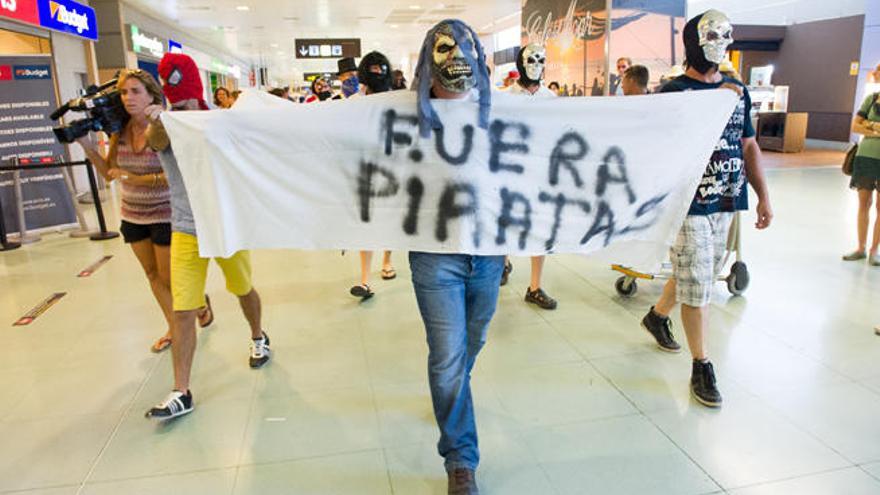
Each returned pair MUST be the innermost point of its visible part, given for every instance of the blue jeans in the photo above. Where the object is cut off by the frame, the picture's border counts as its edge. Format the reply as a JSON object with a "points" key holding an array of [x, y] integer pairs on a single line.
{"points": [[457, 295]]}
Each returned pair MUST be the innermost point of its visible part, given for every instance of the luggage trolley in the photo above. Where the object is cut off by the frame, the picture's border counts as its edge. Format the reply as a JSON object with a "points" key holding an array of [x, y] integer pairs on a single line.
{"points": [[737, 280]]}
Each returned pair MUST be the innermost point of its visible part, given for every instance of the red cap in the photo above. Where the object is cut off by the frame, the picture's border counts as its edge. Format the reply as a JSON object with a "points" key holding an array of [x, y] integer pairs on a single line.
{"points": [[180, 77], [513, 75]]}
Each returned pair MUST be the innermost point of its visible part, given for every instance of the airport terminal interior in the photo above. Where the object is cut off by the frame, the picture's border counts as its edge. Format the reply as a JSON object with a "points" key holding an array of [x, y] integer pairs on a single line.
{"points": [[575, 390]]}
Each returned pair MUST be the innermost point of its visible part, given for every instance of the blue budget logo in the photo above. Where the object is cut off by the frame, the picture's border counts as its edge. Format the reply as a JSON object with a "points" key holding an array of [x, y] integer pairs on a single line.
{"points": [[31, 72], [69, 16]]}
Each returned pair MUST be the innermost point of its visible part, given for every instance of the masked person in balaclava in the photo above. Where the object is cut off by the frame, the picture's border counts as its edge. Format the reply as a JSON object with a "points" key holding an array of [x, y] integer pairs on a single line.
{"points": [[456, 293], [698, 251], [374, 72], [530, 63]]}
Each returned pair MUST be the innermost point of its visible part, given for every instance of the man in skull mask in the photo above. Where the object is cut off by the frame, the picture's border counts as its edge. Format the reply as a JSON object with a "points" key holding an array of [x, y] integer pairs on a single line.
{"points": [[374, 72], [698, 251], [456, 293], [530, 63]]}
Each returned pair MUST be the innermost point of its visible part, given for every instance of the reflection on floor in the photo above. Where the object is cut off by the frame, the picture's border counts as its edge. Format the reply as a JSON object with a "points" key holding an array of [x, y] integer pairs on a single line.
{"points": [[572, 401], [807, 158]]}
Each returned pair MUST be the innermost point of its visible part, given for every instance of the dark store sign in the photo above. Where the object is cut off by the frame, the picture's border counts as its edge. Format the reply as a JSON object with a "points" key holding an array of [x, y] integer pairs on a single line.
{"points": [[328, 48], [27, 97]]}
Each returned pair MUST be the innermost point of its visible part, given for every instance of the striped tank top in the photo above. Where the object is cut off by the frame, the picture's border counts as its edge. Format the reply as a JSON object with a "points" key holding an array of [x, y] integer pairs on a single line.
{"points": [[142, 204]]}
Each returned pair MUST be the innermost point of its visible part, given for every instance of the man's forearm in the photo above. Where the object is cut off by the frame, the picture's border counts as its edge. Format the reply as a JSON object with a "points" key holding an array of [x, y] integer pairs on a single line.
{"points": [[754, 169]]}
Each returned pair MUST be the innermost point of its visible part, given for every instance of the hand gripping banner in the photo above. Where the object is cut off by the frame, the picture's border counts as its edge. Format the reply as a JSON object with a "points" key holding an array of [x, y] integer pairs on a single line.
{"points": [[548, 176]]}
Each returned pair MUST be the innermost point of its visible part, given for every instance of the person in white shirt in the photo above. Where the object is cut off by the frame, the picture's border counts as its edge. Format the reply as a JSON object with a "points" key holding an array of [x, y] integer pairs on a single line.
{"points": [[530, 62]]}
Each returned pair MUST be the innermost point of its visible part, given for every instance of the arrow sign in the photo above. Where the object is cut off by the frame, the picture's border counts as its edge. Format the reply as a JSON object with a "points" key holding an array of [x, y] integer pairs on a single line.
{"points": [[303, 51]]}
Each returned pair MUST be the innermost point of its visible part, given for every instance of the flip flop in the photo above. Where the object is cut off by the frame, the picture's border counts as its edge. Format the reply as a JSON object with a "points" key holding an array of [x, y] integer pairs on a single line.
{"points": [[208, 311], [389, 274], [161, 344], [362, 291]]}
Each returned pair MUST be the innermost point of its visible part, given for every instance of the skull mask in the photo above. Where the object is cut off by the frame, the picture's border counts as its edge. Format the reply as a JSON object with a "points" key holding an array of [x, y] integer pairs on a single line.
{"points": [[450, 67], [530, 63], [716, 34]]}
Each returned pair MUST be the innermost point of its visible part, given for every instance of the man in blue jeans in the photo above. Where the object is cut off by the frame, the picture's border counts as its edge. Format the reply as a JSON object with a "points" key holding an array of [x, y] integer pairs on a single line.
{"points": [[456, 293]]}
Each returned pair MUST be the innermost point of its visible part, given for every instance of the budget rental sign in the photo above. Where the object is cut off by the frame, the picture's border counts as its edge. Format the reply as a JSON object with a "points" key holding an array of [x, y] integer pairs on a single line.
{"points": [[20, 10], [68, 17]]}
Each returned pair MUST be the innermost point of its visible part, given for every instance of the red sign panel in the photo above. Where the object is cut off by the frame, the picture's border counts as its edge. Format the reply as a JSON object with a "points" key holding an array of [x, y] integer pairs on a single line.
{"points": [[20, 10], [5, 72]]}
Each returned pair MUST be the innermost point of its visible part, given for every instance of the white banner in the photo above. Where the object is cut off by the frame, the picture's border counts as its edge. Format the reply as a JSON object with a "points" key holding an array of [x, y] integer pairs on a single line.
{"points": [[569, 175]]}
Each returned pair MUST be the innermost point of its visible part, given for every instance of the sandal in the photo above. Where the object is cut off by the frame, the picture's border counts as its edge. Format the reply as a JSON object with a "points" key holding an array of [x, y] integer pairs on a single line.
{"points": [[362, 291], [160, 345], [388, 274], [508, 269], [208, 311]]}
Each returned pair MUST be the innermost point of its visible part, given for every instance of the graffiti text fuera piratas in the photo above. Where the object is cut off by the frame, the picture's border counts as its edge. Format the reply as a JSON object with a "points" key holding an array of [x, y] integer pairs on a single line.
{"points": [[580, 188]]}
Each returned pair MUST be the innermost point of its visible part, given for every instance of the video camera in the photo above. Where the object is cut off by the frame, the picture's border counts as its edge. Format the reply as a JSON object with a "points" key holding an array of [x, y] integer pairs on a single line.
{"points": [[104, 107]]}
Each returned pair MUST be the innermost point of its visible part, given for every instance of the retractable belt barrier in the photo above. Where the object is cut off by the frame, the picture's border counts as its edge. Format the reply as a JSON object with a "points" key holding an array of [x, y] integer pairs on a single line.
{"points": [[102, 235]]}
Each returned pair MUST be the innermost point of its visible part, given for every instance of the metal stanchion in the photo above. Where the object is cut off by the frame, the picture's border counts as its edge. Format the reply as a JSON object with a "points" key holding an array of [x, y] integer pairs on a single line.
{"points": [[5, 244], [83, 230], [103, 235], [23, 236]]}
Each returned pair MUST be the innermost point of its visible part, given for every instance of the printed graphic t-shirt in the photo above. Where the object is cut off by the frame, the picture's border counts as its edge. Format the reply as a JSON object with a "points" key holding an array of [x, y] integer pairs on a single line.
{"points": [[723, 187]]}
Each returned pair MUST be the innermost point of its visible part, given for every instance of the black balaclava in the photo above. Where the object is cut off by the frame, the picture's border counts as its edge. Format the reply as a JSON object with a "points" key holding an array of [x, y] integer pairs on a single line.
{"points": [[378, 83], [693, 51]]}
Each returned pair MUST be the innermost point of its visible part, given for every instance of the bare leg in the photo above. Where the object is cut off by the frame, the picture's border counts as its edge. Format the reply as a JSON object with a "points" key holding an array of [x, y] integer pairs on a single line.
{"points": [[876, 242], [696, 322], [386, 261], [253, 312], [155, 260], [183, 347], [865, 198], [537, 272], [366, 262], [666, 303]]}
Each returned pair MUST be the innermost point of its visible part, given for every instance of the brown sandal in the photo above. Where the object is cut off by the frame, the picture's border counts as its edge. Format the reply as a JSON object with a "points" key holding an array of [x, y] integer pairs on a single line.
{"points": [[208, 311], [161, 344]]}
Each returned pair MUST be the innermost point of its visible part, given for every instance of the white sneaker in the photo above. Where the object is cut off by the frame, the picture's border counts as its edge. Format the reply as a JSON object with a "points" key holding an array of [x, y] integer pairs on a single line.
{"points": [[260, 352]]}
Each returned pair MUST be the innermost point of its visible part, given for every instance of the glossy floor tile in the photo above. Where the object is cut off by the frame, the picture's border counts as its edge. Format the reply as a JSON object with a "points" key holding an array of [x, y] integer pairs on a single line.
{"points": [[572, 401]]}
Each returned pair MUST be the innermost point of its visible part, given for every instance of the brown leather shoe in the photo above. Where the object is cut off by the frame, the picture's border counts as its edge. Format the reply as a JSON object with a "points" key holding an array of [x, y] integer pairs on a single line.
{"points": [[462, 481]]}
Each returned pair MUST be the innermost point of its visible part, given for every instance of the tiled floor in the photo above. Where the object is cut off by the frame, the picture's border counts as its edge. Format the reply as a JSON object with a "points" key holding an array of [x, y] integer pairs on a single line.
{"points": [[576, 401]]}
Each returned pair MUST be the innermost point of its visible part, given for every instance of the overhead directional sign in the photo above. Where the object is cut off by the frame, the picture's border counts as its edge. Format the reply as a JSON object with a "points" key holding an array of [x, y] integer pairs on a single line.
{"points": [[328, 48]]}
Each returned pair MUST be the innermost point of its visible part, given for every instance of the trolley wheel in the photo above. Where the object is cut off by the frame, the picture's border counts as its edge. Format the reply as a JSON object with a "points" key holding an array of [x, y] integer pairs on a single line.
{"points": [[624, 290], [738, 280]]}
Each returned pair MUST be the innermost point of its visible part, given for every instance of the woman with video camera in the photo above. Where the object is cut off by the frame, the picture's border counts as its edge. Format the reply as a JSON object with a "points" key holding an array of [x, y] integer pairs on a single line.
{"points": [[146, 205]]}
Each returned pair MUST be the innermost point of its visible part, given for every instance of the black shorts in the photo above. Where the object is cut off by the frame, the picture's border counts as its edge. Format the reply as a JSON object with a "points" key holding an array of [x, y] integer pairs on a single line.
{"points": [[158, 233]]}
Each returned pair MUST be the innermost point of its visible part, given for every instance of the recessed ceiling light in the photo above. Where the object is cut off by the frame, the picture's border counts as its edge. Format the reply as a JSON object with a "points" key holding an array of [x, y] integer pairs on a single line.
{"points": [[415, 7], [274, 45], [242, 8], [394, 26]]}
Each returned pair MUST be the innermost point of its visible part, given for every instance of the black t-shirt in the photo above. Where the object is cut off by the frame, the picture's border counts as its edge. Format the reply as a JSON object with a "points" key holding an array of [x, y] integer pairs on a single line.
{"points": [[723, 188]]}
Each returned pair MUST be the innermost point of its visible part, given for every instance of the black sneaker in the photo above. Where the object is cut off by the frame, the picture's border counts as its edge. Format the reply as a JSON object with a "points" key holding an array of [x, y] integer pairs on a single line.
{"points": [[703, 384], [540, 298], [260, 352], [508, 269], [661, 329], [176, 404]]}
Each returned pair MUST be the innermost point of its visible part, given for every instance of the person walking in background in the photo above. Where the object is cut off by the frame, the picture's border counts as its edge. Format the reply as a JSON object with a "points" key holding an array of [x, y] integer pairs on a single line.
{"points": [[635, 80], [222, 98], [623, 63], [866, 176]]}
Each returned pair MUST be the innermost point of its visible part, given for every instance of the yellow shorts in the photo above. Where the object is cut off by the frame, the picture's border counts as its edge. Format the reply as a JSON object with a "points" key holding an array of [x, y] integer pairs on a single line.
{"points": [[189, 271]]}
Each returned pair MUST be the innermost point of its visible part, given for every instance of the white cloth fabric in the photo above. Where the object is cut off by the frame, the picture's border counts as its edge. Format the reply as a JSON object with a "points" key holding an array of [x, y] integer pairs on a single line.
{"points": [[269, 174], [542, 91]]}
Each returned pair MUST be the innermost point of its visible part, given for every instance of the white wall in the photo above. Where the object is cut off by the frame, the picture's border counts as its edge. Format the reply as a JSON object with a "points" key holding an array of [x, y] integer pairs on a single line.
{"points": [[779, 12], [70, 62]]}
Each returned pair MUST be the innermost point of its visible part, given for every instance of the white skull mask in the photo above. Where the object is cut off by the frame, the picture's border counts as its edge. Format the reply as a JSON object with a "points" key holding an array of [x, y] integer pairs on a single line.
{"points": [[450, 67], [534, 57], [716, 34]]}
